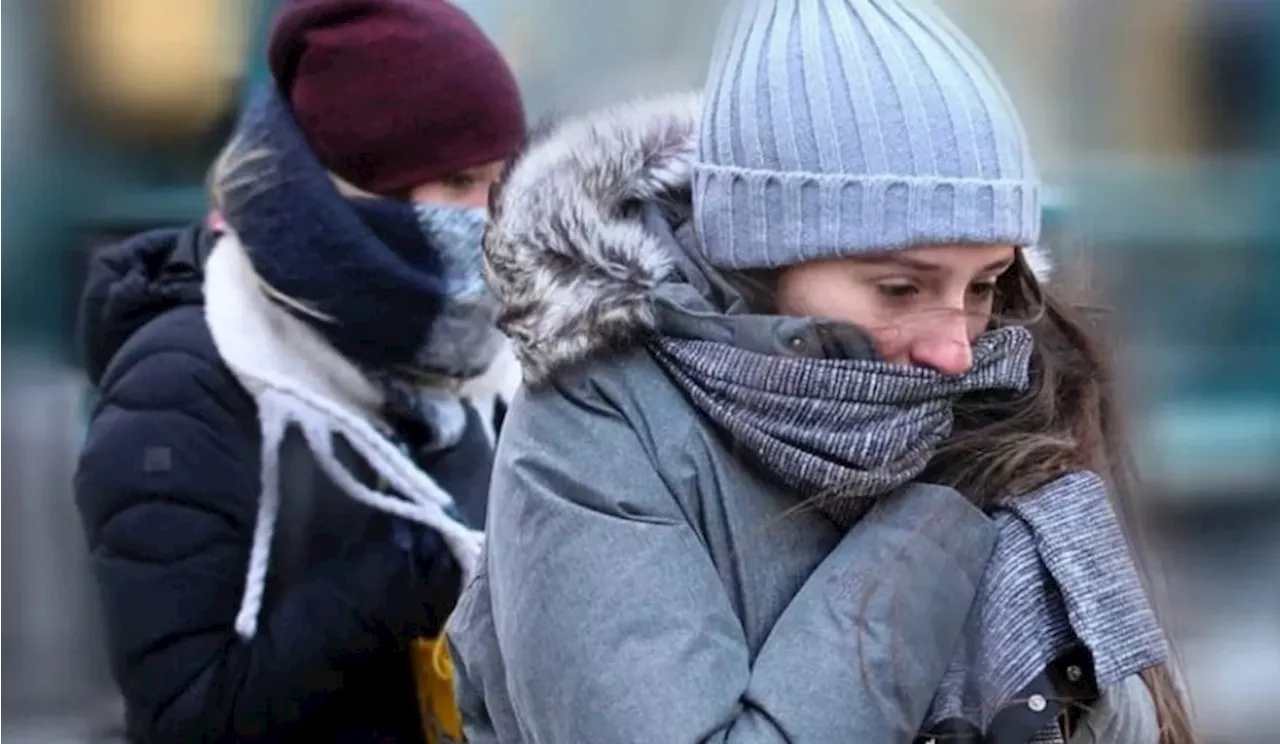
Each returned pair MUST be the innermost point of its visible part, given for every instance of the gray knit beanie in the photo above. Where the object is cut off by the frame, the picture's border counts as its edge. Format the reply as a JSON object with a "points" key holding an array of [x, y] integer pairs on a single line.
{"points": [[833, 128]]}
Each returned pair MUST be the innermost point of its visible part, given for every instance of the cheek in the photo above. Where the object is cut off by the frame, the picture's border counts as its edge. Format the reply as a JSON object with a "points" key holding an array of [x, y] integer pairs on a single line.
{"points": [[476, 196], [435, 193], [819, 294], [428, 193], [978, 321], [979, 312]]}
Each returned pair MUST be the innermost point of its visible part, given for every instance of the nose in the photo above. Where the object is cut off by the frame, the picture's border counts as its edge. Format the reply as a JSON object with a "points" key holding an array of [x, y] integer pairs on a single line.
{"points": [[944, 346]]}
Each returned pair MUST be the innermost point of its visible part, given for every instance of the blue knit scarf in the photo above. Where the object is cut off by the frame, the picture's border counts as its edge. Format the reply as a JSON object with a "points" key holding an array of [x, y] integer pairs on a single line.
{"points": [[395, 287]]}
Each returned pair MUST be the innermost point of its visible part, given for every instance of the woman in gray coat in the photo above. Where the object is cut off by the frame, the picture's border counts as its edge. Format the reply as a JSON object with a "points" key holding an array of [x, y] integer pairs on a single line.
{"points": [[807, 454]]}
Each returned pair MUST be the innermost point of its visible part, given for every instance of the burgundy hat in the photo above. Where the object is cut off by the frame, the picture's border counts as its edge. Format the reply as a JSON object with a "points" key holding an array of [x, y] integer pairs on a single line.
{"points": [[392, 94]]}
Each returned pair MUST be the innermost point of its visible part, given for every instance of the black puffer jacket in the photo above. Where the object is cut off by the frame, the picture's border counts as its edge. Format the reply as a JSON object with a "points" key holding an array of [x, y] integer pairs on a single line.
{"points": [[168, 490]]}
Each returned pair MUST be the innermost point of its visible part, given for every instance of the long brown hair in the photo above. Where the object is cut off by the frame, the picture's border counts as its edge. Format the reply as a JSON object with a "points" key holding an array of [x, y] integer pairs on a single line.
{"points": [[1067, 420]]}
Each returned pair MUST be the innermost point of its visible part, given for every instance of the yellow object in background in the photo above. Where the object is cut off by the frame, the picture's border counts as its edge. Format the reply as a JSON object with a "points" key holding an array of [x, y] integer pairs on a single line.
{"points": [[433, 676], [162, 67]]}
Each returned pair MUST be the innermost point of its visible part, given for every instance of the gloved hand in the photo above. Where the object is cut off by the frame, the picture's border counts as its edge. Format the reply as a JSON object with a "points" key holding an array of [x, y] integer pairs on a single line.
{"points": [[435, 577]]}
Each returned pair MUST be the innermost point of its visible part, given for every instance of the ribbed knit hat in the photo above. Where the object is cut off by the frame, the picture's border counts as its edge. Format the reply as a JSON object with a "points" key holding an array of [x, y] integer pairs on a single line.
{"points": [[834, 128], [392, 94]]}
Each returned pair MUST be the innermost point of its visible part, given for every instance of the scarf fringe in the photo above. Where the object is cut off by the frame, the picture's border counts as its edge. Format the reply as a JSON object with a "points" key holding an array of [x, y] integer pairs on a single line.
{"points": [[278, 408], [239, 319], [273, 424]]}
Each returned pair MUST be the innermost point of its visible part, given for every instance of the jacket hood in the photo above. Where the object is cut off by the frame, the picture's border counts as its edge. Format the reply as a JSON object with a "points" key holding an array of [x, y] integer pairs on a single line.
{"points": [[567, 251], [132, 283], [590, 226]]}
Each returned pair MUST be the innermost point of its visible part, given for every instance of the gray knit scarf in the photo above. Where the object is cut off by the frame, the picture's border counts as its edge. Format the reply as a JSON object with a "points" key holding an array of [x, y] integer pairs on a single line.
{"points": [[839, 431], [844, 432]]}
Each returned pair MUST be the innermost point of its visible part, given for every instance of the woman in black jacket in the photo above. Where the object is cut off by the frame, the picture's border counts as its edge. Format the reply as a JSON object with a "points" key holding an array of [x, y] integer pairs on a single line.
{"points": [[285, 476]]}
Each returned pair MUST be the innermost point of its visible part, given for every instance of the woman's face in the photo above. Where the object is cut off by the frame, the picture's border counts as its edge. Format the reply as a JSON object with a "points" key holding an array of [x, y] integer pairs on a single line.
{"points": [[468, 188], [923, 307]]}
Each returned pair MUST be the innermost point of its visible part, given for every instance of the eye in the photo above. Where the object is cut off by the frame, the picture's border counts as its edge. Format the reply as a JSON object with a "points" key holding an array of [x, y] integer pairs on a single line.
{"points": [[460, 181], [983, 289], [897, 290]]}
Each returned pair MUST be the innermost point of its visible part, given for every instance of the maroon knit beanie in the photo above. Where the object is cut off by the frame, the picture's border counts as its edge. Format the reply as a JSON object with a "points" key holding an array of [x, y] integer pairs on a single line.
{"points": [[392, 94]]}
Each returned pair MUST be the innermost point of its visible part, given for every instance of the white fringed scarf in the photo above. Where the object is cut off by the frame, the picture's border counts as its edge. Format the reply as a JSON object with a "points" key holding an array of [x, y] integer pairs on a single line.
{"points": [[297, 378]]}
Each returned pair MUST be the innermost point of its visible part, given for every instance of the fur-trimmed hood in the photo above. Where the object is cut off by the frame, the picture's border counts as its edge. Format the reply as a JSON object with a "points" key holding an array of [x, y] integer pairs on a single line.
{"points": [[566, 253], [573, 252]]}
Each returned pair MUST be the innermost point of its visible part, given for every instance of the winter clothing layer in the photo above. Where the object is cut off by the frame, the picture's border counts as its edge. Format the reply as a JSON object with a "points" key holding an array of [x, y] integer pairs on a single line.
{"points": [[393, 94], [743, 594], [388, 283], [299, 381], [385, 291], [843, 429], [169, 491], [861, 126]]}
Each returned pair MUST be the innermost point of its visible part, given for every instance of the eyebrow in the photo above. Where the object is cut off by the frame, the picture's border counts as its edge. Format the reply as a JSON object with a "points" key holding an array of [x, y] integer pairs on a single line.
{"points": [[918, 265]]}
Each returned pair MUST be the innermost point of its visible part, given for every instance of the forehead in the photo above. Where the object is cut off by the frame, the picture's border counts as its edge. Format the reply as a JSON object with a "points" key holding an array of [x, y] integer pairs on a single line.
{"points": [[961, 258]]}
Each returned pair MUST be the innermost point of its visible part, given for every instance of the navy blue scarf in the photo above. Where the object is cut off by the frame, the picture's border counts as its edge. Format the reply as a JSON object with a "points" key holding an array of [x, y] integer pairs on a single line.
{"points": [[394, 286]]}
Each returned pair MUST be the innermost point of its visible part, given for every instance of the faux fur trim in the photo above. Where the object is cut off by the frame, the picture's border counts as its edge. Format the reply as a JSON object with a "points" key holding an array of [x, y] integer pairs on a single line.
{"points": [[566, 254], [569, 262]]}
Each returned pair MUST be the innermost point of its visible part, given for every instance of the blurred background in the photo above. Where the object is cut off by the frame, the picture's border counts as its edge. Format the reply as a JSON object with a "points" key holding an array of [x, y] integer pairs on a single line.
{"points": [[1157, 124]]}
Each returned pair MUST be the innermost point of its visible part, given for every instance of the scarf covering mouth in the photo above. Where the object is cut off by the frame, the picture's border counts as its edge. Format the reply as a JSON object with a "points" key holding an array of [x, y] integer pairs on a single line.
{"points": [[395, 289], [846, 433], [839, 431], [390, 284]]}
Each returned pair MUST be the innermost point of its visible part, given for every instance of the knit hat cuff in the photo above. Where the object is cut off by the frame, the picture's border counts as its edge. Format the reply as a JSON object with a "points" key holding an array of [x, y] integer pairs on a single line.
{"points": [[751, 219]]}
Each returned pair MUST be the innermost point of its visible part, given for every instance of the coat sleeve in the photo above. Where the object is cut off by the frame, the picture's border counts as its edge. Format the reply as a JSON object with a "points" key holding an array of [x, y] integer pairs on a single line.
{"points": [[167, 487], [614, 625]]}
